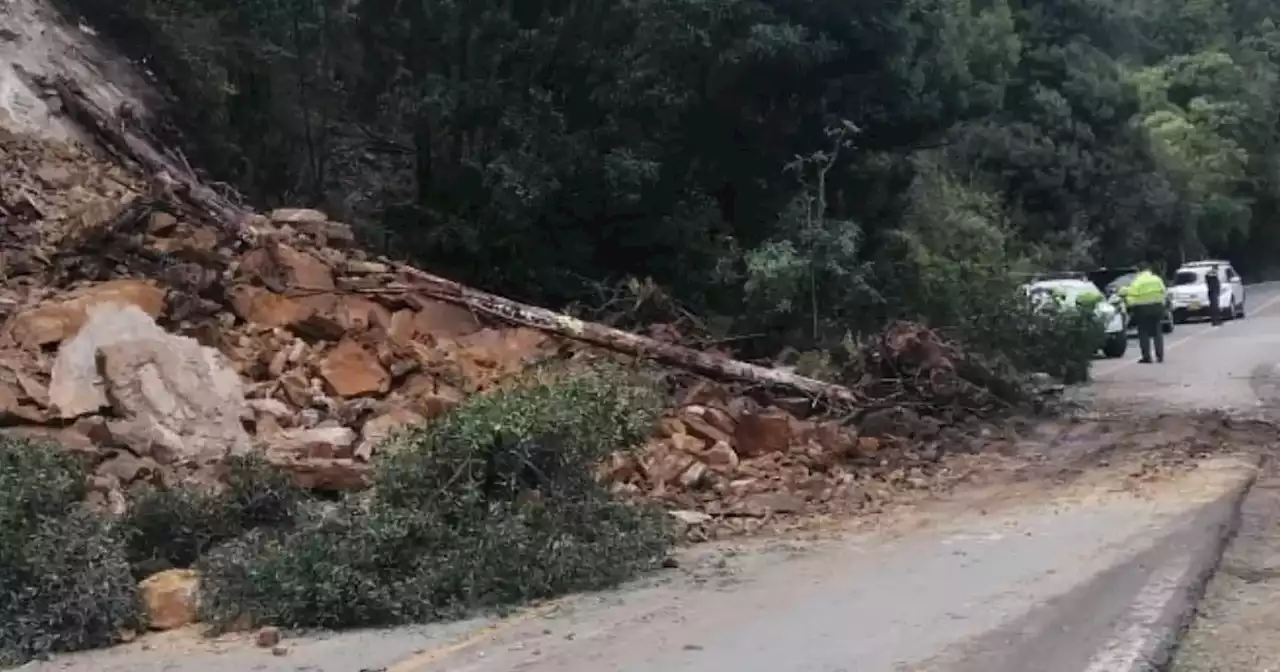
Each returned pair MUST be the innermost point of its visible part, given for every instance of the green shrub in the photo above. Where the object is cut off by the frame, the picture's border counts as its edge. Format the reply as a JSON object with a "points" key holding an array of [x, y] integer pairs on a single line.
{"points": [[553, 428], [65, 583], [1059, 342], [167, 528], [493, 505], [37, 481]]}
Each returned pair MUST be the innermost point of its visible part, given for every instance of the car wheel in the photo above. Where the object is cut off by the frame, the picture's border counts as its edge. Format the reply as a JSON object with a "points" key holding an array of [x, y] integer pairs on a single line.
{"points": [[1116, 345], [1240, 310], [1231, 308], [1167, 326]]}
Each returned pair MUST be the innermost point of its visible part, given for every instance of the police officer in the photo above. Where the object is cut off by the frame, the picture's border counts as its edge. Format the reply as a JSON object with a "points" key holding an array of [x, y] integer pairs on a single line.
{"points": [[1145, 299], [1213, 283]]}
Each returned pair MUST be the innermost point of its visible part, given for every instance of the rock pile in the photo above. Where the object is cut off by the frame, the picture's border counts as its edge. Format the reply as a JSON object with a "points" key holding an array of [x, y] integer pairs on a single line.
{"points": [[157, 343]]}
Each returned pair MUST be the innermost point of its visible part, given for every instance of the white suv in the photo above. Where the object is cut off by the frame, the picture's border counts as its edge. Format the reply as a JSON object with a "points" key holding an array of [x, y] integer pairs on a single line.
{"points": [[1189, 295]]}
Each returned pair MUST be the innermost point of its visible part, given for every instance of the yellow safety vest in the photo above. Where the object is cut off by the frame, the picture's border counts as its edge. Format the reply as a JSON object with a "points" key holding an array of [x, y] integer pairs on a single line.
{"points": [[1146, 289]]}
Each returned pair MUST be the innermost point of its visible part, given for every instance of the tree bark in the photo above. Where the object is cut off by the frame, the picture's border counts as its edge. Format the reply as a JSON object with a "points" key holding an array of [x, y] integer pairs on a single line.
{"points": [[166, 172], [708, 364], [123, 142]]}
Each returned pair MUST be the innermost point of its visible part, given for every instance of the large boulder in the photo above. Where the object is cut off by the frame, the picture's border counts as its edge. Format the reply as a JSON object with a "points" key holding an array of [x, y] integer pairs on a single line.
{"points": [[172, 398]]}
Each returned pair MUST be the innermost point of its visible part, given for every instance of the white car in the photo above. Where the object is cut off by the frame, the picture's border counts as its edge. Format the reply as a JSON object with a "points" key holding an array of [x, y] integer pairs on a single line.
{"points": [[1189, 295], [1066, 291]]}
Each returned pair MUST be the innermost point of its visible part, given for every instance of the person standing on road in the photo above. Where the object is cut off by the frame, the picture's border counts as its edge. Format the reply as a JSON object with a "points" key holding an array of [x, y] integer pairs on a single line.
{"points": [[1145, 299], [1213, 284]]}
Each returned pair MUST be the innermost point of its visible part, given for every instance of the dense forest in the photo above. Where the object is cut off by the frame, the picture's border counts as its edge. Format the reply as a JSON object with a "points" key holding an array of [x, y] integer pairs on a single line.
{"points": [[800, 169]]}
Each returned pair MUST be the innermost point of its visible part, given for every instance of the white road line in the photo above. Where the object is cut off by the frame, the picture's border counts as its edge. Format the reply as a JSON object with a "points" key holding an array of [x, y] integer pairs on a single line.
{"points": [[1129, 651]]}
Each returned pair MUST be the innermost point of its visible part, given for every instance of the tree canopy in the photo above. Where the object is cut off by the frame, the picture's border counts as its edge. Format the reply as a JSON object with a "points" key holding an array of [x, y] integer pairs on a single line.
{"points": [[807, 167]]}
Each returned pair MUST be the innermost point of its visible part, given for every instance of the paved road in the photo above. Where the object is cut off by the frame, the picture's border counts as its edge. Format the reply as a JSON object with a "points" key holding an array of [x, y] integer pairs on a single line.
{"points": [[1229, 367], [1076, 579]]}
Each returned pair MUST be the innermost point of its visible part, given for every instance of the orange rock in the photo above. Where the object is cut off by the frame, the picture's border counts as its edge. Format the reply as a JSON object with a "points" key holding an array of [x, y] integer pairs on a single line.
{"points": [[704, 430], [687, 444], [322, 442], [55, 322], [665, 466], [267, 637], [335, 474], [125, 468], [769, 431], [280, 264], [161, 223], [692, 476], [441, 319], [171, 598], [618, 468], [360, 314], [381, 428], [402, 328], [493, 354], [352, 371], [721, 458], [260, 306], [297, 216], [834, 438], [670, 426], [304, 272], [430, 397], [720, 419]]}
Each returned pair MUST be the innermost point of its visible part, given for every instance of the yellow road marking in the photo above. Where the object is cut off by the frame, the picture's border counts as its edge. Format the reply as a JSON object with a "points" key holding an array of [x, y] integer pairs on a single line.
{"points": [[422, 659], [1170, 346]]}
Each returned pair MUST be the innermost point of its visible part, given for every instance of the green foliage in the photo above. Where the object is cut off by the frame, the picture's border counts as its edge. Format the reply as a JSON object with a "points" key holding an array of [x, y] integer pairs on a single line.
{"points": [[496, 504], [661, 140], [65, 583], [166, 528]]}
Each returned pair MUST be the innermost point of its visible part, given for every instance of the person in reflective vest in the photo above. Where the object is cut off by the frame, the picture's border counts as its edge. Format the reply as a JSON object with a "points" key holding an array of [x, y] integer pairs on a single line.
{"points": [[1145, 299]]}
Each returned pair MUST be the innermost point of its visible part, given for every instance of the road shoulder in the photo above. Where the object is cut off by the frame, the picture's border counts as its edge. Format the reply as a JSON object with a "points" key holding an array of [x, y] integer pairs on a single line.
{"points": [[1237, 620]]}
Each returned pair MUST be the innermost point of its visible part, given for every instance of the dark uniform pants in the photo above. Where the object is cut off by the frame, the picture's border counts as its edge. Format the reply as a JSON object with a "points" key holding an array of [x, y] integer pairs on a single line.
{"points": [[1215, 311], [1148, 318]]}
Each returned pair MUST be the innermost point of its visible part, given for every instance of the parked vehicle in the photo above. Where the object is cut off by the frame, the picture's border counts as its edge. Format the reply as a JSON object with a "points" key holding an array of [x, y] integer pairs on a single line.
{"points": [[1069, 292], [1189, 293], [1112, 280]]}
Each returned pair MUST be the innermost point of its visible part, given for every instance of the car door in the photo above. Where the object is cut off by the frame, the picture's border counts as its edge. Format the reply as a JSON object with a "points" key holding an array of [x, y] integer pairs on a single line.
{"points": [[1236, 284]]}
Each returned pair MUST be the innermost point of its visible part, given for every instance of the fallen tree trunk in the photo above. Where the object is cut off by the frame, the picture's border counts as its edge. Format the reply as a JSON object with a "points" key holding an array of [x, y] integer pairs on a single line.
{"points": [[705, 363], [166, 173], [121, 141]]}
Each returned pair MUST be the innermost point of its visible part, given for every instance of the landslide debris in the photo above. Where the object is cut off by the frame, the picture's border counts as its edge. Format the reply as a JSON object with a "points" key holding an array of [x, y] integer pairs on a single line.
{"points": [[156, 342]]}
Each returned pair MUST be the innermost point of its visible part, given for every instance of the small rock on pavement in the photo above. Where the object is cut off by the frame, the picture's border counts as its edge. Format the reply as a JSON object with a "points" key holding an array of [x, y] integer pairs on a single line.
{"points": [[268, 637], [171, 598]]}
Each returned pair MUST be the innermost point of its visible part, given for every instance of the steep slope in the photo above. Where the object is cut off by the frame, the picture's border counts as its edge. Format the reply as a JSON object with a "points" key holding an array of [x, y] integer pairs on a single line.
{"points": [[36, 42]]}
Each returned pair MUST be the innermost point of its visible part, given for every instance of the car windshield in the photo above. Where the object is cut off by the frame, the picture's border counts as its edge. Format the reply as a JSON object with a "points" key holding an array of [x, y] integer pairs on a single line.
{"points": [[1187, 277], [1122, 281], [1069, 291]]}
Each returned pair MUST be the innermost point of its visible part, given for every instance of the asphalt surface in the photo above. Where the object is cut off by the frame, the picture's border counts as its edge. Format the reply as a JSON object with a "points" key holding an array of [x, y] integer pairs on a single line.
{"points": [[1085, 578], [1231, 367]]}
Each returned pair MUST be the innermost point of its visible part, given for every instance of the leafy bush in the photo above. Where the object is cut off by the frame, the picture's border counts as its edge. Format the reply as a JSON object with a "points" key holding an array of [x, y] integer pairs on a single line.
{"points": [[959, 273], [554, 428], [1058, 341], [496, 504], [167, 528], [65, 583]]}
